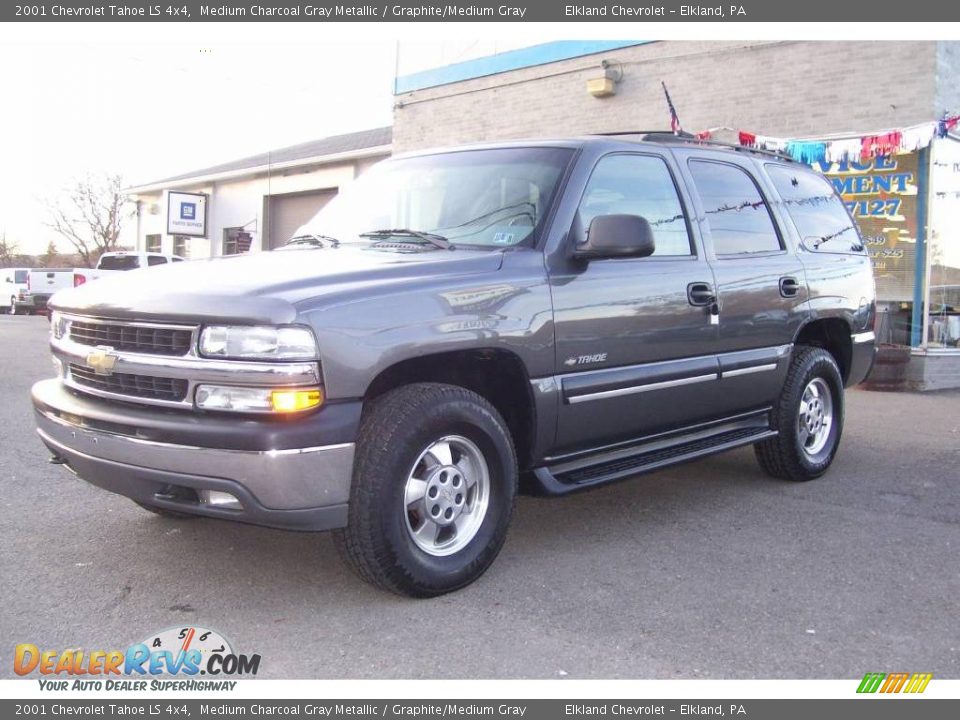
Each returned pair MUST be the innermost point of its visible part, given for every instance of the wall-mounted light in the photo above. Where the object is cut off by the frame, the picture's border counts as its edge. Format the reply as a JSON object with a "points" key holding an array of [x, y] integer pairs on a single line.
{"points": [[606, 84]]}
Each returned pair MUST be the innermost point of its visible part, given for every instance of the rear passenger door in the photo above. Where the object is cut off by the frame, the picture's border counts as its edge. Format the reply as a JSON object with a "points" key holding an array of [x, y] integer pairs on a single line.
{"points": [[761, 288]]}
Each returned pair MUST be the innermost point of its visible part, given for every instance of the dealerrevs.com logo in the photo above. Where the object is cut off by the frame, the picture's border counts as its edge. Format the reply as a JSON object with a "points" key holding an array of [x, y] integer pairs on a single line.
{"points": [[153, 664]]}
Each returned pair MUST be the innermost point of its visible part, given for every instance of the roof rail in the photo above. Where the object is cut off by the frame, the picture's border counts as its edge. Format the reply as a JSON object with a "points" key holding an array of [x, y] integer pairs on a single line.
{"points": [[666, 137], [638, 132]]}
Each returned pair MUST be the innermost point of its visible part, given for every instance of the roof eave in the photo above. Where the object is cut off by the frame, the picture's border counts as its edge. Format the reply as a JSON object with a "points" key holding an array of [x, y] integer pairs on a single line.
{"points": [[173, 184]]}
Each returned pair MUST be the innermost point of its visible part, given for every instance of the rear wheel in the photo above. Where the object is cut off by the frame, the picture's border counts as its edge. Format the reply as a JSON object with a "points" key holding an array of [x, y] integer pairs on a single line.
{"points": [[809, 417], [434, 485]]}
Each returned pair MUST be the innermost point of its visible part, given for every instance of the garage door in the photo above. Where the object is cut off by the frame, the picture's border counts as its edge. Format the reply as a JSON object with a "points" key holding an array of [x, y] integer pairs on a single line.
{"points": [[286, 213]]}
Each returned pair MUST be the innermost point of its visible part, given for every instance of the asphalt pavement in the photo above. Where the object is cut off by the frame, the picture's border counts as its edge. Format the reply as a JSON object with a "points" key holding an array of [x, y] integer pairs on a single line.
{"points": [[705, 570]]}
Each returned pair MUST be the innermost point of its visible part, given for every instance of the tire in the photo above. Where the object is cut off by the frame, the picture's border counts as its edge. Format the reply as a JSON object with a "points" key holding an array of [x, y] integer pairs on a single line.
{"points": [[13, 305], [399, 483], [797, 453], [163, 512]]}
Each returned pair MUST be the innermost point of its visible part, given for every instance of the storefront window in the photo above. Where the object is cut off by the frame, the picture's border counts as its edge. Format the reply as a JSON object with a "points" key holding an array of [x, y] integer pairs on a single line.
{"points": [[942, 327], [236, 240], [881, 195], [153, 243], [181, 246]]}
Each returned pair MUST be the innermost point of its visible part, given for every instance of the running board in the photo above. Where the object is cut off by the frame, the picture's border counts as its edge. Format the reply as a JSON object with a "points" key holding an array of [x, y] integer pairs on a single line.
{"points": [[570, 477]]}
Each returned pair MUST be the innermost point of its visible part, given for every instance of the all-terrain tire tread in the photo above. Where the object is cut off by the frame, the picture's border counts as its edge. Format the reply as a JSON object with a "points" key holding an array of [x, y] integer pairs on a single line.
{"points": [[361, 543]]}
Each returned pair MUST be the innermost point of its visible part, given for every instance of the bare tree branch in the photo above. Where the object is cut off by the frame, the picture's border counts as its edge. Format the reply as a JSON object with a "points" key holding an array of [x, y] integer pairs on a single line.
{"points": [[92, 218], [8, 251]]}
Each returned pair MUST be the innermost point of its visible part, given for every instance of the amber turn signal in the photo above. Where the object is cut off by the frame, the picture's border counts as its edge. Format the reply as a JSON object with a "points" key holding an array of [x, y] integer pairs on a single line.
{"points": [[285, 401]]}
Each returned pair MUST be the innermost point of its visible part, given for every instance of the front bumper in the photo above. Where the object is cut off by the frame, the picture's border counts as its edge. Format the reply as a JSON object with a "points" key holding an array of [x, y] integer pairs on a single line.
{"points": [[283, 486]]}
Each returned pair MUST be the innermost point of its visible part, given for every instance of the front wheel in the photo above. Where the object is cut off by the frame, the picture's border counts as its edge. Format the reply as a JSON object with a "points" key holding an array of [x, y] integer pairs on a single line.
{"points": [[808, 416], [434, 485], [13, 305]]}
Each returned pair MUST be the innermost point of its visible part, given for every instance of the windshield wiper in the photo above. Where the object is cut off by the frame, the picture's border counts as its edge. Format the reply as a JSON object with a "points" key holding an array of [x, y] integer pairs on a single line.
{"points": [[437, 240], [313, 240]]}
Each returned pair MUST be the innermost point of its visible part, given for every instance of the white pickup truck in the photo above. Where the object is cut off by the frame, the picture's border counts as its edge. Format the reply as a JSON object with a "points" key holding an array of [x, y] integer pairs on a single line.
{"points": [[115, 262], [41, 284], [15, 287]]}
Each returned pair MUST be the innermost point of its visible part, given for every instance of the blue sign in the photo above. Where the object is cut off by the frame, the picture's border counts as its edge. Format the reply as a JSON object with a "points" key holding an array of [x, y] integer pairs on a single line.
{"points": [[188, 211]]}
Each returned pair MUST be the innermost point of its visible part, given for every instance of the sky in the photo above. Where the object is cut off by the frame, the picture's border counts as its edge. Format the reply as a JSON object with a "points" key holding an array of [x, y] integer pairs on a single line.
{"points": [[152, 111]]}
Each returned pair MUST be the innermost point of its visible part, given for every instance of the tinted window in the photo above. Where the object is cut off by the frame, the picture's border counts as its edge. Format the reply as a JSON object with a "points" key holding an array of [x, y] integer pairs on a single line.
{"points": [[119, 262], [155, 260], [638, 185], [20, 276], [738, 218], [176, 259], [815, 209]]}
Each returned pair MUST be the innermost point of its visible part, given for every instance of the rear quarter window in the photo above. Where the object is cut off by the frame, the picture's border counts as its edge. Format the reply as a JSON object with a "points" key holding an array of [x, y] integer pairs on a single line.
{"points": [[818, 214]]}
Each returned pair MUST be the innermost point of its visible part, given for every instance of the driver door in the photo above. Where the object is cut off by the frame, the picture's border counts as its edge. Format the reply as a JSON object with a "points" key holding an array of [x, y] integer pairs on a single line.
{"points": [[635, 354]]}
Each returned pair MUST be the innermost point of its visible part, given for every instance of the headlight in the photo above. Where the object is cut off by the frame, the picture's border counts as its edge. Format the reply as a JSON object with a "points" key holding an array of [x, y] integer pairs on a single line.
{"points": [[59, 325], [257, 400], [258, 343]]}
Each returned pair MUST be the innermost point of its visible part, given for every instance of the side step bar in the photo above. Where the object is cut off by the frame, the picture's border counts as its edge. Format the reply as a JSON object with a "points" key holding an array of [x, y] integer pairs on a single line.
{"points": [[570, 477]]}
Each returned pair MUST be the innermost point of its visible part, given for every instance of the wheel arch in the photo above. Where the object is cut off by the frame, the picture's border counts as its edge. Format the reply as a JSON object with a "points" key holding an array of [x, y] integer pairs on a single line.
{"points": [[495, 374], [833, 335]]}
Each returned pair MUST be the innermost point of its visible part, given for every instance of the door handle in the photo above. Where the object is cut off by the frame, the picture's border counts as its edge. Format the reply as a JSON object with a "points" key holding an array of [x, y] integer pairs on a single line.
{"points": [[700, 294], [789, 287]]}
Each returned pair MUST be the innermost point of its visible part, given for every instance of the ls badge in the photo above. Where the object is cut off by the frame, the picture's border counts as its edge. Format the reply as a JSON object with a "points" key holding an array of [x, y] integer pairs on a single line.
{"points": [[102, 360]]}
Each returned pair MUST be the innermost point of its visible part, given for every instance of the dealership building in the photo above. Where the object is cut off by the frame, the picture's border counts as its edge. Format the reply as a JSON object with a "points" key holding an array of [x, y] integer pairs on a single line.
{"points": [[252, 204], [907, 204]]}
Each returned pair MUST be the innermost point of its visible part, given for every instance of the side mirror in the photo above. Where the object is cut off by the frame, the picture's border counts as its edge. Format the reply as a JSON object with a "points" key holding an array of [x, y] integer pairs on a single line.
{"points": [[612, 236]]}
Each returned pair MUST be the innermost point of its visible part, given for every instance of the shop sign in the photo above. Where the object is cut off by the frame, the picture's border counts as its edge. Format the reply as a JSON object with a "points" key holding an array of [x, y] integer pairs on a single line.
{"points": [[187, 214], [881, 194]]}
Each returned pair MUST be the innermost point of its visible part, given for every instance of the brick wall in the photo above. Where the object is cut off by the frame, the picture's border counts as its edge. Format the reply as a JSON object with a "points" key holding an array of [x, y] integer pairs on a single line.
{"points": [[789, 89], [948, 77]]}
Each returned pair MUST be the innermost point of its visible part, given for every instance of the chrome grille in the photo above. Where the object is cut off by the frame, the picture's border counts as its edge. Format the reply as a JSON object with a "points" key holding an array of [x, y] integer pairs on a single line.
{"points": [[154, 340], [134, 386]]}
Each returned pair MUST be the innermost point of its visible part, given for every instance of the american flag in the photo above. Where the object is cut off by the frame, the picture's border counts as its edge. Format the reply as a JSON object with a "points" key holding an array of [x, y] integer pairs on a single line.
{"points": [[674, 119]]}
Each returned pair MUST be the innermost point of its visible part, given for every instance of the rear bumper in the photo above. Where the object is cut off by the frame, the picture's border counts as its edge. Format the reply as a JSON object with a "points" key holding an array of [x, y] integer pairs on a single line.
{"points": [[863, 354], [296, 488], [38, 301]]}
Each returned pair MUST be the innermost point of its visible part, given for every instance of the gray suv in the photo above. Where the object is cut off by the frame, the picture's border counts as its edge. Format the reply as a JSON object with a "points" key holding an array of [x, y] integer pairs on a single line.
{"points": [[462, 323]]}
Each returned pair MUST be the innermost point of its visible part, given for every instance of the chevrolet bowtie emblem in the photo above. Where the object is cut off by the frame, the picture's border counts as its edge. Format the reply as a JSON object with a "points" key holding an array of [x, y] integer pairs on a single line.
{"points": [[102, 360]]}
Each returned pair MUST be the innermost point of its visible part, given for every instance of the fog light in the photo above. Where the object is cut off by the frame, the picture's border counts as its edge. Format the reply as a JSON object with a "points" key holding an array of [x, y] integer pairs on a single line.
{"points": [[295, 400], [216, 498]]}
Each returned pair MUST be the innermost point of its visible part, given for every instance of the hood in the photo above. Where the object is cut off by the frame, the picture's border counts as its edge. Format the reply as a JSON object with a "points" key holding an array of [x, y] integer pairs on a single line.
{"points": [[262, 287]]}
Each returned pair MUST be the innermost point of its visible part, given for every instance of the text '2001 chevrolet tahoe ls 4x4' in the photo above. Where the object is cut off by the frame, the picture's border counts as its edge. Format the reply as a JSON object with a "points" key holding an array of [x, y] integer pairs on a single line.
{"points": [[571, 312]]}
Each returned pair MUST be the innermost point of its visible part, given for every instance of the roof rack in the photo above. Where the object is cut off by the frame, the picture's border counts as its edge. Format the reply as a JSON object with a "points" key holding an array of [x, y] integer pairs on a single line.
{"points": [[666, 137], [641, 132]]}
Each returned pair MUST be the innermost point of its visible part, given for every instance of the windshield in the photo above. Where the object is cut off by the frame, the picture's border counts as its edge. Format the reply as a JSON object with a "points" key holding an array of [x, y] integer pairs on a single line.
{"points": [[494, 198], [119, 262]]}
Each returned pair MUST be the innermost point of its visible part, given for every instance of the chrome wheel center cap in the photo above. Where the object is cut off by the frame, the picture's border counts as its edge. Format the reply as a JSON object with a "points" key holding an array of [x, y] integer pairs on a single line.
{"points": [[446, 494]]}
